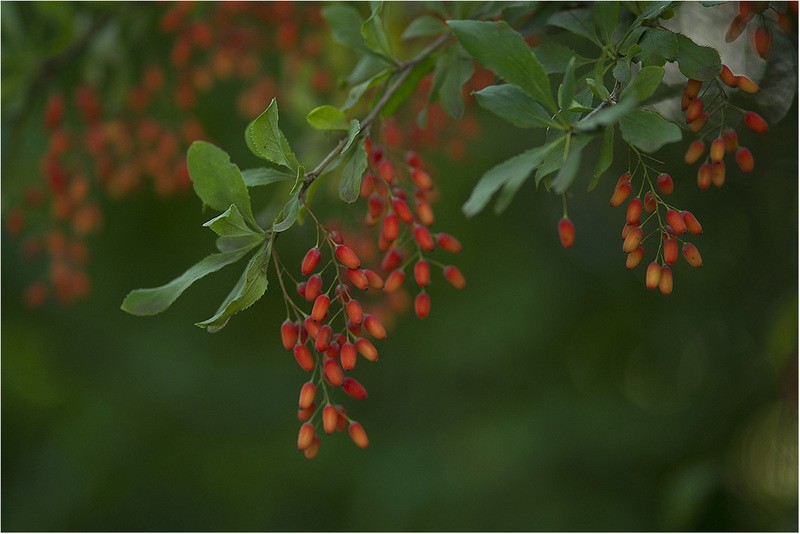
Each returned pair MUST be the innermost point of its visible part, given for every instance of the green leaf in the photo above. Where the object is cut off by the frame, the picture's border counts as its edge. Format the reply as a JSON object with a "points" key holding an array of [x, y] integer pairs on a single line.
{"points": [[503, 51], [554, 159], [622, 70], [250, 287], [569, 169], [327, 118], [606, 116], [155, 300], [516, 168], [290, 213], [653, 10], [457, 72], [555, 56], [266, 140], [658, 47], [643, 84], [424, 26], [345, 24], [229, 244], [350, 182], [512, 186], [648, 130], [374, 33], [357, 91], [408, 86], [216, 180], [606, 18], [598, 89], [230, 224], [567, 91], [511, 104], [577, 21], [697, 62], [604, 157], [265, 176]]}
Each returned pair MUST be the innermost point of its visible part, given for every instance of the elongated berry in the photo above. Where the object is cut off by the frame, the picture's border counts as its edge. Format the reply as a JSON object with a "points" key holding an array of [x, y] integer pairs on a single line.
{"points": [[304, 357], [693, 88], [632, 240], [422, 273], [358, 278], [665, 281], [310, 261], [375, 206], [304, 414], [311, 451], [394, 281], [692, 255], [337, 237], [746, 85], [634, 213], [653, 275], [333, 372], [329, 418], [413, 160], [323, 338], [305, 436], [358, 435], [718, 173], [674, 220], [695, 150], [755, 122], [738, 24], [665, 184], [727, 77], [354, 311], [649, 202], [373, 279], [422, 305], [566, 232], [422, 179], [698, 124], [717, 151], [307, 394], [692, 224], [312, 326], [744, 158], [402, 210], [289, 333], [634, 257], [367, 349], [454, 276], [391, 227], [386, 171], [352, 387], [731, 140], [392, 259], [423, 237], [313, 287], [348, 356], [670, 251], [685, 101], [373, 325], [424, 211], [448, 243], [694, 110], [621, 193], [625, 178], [704, 176], [348, 258], [320, 307]]}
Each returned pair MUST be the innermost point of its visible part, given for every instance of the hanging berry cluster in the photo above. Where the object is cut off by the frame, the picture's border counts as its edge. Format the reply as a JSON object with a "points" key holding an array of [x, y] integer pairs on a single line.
{"points": [[762, 36]]}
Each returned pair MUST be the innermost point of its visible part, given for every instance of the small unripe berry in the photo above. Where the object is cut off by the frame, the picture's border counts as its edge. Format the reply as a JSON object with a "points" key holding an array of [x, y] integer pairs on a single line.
{"points": [[649, 203], [320, 307], [394, 281], [454, 276], [731, 140], [665, 281], [323, 338], [392, 259], [391, 227], [693, 88], [289, 333], [632, 240], [634, 257], [366, 349], [670, 251], [423, 237], [665, 184], [307, 394], [566, 232], [692, 255], [422, 273], [329, 418], [358, 278], [692, 224], [694, 110], [347, 257], [305, 436], [402, 210], [304, 357], [354, 311], [333, 372], [358, 435], [422, 305], [727, 76], [352, 387], [373, 325], [348, 357], [310, 261], [695, 150], [653, 275], [634, 212], [313, 287], [717, 151], [704, 176], [747, 85], [755, 122], [744, 158], [621, 193], [448, 243]]}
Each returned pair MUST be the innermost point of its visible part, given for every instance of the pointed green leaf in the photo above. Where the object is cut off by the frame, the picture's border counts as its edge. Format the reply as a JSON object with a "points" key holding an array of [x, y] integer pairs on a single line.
{"points": [[606, 18], [578, 21], [345, 23], [424, 26], [567, 91], [230, 224], [502, 50], [327, 118], [607, 115], [266, 140], [353, 172], [555, 56], [622, 70], [569, 170], [658, 47], [155, 300], [374, 34], [511, 104], [648, 130], [216, 180], [598, 89], [695, 61], [265, 176], [229, 244], [357, 91], [643, 84], [290, 213], [408, 86], [458, 72], [604, 158], [512, 186]]}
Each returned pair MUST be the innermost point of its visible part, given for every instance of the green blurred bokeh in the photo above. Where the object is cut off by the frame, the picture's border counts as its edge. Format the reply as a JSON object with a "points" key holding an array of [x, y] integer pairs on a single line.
{"points": [[553, 393]]}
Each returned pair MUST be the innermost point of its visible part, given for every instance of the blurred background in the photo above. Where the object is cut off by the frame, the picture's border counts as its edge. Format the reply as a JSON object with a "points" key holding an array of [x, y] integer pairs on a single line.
{"points": [[554, 392]]}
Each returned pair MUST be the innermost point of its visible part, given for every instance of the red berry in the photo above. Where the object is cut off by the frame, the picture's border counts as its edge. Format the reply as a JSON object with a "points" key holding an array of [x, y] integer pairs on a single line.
{"points": [[347, 356], [352, 387], [323, 338], [653, 275], [422, 273], [634, 212], [354, 311], [304, 414], [423, 237], [424, 211], [693, 88], [311, 451], [694, 110], [289, 333], [755, 122], [421, 179], [717, 151], [305, 436], [320, 307], [665, 184], [413, 159], [386, 171], [744, 158], [738, 24], [310, 261], [670, 251], [704, 176], [621, 193], [313, 287], [366, 349], [731, 140], [304, 357], [718, 173], [374, 281], [698, 124], [358, 278], [392, 259], [422, 305], [391, 227], [454, 276], [727, 76], [665, 281], [649, 202], [692, 255], [329, 418], [333, 372], [373, 325], [566, 232], [307, 394], [632, 240], [674, 220], [358, 435], [394, 281], [746, 85], [634, 257], [401, 209], [692, 224], [448, 243], [347, 257], [762, 40]]}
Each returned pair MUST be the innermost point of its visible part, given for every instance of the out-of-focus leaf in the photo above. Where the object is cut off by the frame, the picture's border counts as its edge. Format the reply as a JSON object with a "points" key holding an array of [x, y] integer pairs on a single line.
{"points": [[511, 104], [643, 84], [648, 130], [569, 170], [578, 21], [458, 70], [265, 176], [424, 26], [327, 118], [606, 19], [604, 157], [345, 23]]}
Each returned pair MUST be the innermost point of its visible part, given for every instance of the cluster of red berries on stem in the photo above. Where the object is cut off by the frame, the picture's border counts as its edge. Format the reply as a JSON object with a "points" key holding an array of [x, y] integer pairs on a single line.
{"points": [[762, 36]]}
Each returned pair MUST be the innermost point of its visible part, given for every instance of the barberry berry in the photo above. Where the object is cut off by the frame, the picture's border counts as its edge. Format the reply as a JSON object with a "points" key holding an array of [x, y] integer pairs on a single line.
{"points": [[307, 395], [358, 435], [566, 232], [454, 276], [691, 222], [448, 242], [352, 387], [305, 436], [695, 150], [746, 85], [310, 261], [422, 305], [634, 212], [394, 281], [692, 255], [755, 122], [289, 333], [665, 281], [665, 184], [304, 357], [634, 257], [347, 257], [366, 349], [329, 418], [653, 275], [744, 158]]}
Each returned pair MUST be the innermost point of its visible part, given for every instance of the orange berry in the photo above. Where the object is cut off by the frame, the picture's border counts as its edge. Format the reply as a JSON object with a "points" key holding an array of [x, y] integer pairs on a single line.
{"points": [[323, 338], [634, 213], [649, 202], [704, 176], [392, 259], [727, 76], [691, 222], [422, 273], [354, 311], [670, 251], [694, 110], [333, 372], [347, 356], [718, 173], [358, 435], [699, 123], [632, 240], [717, 151], [307, 394], [746, 85], [373, 325], [423, 237], [653, 275], [289, 333], [305, 436], [755, 122], [665, 281], [366, 349], [566, 232], [304, 414], [634, 257], [421, 179], [373, 279], [621, 193], [391, 227], [320, 307], [692, 255], [394, 281], [448, 243], [304, 357], [386, 171], [313, 287], [693, 88], [731, 140], [744, 158], [329, 418], [358, 278], [665, 184], [454, 276], [401, 209], [674, 220], [762, 40], [424, 211], [311, 451], [422, 305], [625, 178], [352, 387], [685, 101], [696, 149], [347, 257], [738, 24]]}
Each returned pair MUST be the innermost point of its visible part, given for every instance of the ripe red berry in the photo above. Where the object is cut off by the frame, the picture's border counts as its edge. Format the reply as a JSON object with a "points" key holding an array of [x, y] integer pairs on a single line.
{"points": [[305, 436], [670, 251], [665, 281], [423, 237], [448, 243], [718, 173], [621, 193], [354, 311], [311, 326], [634, 212], [313, 287], [402, 210], [625, 178], [755, 122], [310, 261], [366, 349], [731, 140], [675, 221], [413, 160], [665, 184], [304, 357], [653, 275], [358, 435], [738, 24], [347, 356], [307, 394], [358, 278], [422, 273], [329, 418], [352, 387], [692, 224], [386, 171], [746, 85], [454, 276], [566, 232], [373, 325], [632, 240], [717, 151], [394, 281], [699, 123], [744, 158], [696, 149], [694, 110], [323, 338], [727, 76], [311, 451], [373, 279], [392, 259], [424, 211], [634, 257], [289, 333], [391, 227], [333, 372], [304, 414], [422, 305], [649, 203], [320, 307], [421, 179], [347, 257], [704, 176], [692, 88], [692, 255]]}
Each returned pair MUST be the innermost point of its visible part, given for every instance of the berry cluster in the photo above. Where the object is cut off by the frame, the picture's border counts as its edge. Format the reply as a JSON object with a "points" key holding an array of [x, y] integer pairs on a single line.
{"points": [[762, 36]]}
